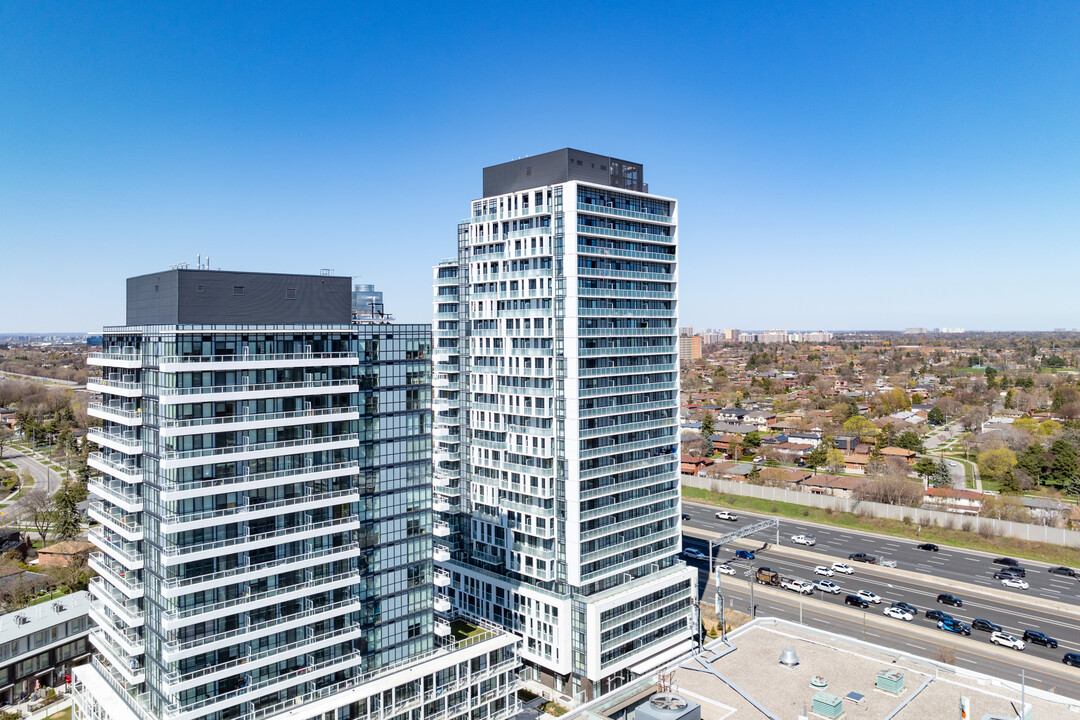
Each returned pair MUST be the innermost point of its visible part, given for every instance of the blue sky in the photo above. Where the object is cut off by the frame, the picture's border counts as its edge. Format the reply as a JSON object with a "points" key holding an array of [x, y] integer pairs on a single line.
{"points": [[839, 165]]}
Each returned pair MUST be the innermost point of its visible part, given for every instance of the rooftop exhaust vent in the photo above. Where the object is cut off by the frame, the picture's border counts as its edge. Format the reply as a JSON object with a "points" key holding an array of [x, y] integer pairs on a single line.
{"points": [[788, 658]]}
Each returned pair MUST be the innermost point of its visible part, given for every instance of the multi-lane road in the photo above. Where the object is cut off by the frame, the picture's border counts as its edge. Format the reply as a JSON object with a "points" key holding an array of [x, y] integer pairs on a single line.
{"points": [[945, 571]]}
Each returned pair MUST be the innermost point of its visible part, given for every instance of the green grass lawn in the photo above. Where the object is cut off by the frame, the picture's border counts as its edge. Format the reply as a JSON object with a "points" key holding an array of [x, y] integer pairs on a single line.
{"points": [[64, 714], [463, 630], [1044, 552]]}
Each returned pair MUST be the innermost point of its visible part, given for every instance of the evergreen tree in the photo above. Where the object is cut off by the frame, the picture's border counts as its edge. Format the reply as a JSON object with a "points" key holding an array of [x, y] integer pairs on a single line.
{"points": [[68, 523], [708, 428], [1009, 485], [941, 478], [935, 416], [818, 457], [1033, 462]]}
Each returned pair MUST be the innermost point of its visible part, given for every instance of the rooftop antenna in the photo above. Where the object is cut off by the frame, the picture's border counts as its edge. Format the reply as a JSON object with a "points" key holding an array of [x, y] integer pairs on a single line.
{"points": [[198, 260]]}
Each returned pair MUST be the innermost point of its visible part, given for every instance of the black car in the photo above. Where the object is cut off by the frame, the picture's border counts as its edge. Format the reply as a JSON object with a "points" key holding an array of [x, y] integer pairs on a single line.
{"points": [[1072, 659], [1062, 570], [950, 599], [862, 557], [856, 601], [938, 615], [986, 625], [907, 606], [1041, 638], [928, 546], [686, 516], [1006, 561], [1010, 572]]}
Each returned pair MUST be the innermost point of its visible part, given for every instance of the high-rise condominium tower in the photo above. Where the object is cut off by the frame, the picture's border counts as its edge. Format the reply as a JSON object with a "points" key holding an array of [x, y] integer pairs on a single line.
{"points": [[265, 510], [556, 418]]}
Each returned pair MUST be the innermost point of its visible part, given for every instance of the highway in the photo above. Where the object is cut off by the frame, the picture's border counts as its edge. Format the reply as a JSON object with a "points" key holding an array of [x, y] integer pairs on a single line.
{"points": [[947, 564], [939, 572]]}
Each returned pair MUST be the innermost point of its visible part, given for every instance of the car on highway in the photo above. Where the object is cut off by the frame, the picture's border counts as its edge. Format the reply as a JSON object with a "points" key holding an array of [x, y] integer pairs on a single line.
{"points": [[950, 599], [953, 463], [744, 554], [824, 570], [1006, 640], [1009, 572], [1062, 570], [828, 586], [692, 554], [1015, 583], [985, 625], [898, 613], [869, 596], [938, 615], [1071, 659], [1007, 561], [856, 601], [807, 540], [862, 557], [954, 626], [843, 568], [1039, 638], [908, 607], [928, 546], [725, 515], [686, 516], [725, 569]]}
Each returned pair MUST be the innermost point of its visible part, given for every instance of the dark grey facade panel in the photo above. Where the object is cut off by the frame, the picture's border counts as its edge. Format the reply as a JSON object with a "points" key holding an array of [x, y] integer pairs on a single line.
{"points": [[561, 166], [215, 297]]}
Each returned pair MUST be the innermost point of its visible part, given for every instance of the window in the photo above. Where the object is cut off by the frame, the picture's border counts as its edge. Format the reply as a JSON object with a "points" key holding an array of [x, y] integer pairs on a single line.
{"points": [[238, 290], [199, 288], [290, 293]]}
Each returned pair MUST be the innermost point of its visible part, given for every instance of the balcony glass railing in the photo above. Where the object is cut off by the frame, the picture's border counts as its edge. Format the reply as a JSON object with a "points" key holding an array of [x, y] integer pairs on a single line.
{"points": [[260, 539], [258, 417], [256, 447], [259, 387]]}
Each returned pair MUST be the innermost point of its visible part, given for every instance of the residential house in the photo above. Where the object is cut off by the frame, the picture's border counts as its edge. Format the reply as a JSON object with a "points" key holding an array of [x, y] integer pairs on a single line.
{"points": [[965, 502], [693, 465], [63, 554], [801, 438], [731, 414], [761, 419], [908, 455], [835, 485]]}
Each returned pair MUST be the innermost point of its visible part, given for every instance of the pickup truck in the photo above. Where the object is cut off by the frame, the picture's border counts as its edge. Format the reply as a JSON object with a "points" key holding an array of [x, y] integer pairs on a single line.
{"points": [[808, 540], [862, 557], [725, 515], [796, 585], [765, 576]]}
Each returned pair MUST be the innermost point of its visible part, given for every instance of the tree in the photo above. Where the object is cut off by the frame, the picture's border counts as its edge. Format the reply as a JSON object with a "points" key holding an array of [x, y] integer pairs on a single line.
{"points": [[1033, 462], [941, 478], [817, 457], [1008, 483], [75, 575], [1072, 487], [994, 464], [859, 426], [752, 440], [1010, 399], [910, 440], [66, 514], [835, 462], [924, 468], [1063, 468], [708, 426], [39, 509], [935, 416], [974, 419], [5, 438]]}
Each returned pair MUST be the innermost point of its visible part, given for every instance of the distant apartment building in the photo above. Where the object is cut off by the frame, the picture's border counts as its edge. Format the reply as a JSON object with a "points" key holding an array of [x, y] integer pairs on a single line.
{"points": [[557, 419], [748, 337], [915, 331], [686, 331], [773, 337], [40, 645], [264, 500], [730, 334], [689, 347]]}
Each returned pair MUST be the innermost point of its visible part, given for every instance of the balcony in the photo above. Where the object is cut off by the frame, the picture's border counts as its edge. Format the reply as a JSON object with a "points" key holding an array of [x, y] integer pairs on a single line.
{"points": [[173, 459], [128, 640], [172, 427], [441, 505], [119, 522], [442, 479], [185, 363], [174, 522], [440, 529], [117, 386], [222, 393], [441, 553], [126, 553], [442, 628], [128, 443], [126, 581], [173, 490], [441, 578], [116, 414], [125, 609], [177, 586], [120, 357], [176, 554], [442, 604], [127, 471], [129, 668], [127, 498]]}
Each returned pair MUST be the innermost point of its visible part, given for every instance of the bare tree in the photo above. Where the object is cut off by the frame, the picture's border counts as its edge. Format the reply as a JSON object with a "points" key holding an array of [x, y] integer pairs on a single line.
{"points": [[5, 437], [974, 419], [891, 490], [39, 509]]}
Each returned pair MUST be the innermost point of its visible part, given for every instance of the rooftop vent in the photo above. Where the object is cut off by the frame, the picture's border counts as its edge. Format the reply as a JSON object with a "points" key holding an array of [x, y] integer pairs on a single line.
{"points": [[668, 706], [789, 659]]}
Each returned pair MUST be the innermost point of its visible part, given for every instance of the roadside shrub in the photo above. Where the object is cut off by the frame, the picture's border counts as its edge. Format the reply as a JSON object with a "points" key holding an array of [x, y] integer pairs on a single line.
{"points": [[967, 526], [806, 512], [946, 654], [907, 520], [987, 531]]}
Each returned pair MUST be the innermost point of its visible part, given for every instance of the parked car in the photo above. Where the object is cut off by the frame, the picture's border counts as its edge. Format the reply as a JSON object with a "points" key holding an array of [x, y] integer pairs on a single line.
{"points": [[1006, 561], [692, 554], [862, 557], [928, 546], [1015, 583], [808, 540], [950, 599], [744, 554], [1006, 640], [725, 568], [898, 613], [1062, 570], [827, 586], [869, 596], [842, 568], [824, 570], [985, 625], [856, 601], [938, 615], [954, 626], [1071, 659], [1034, 636], [725, 515], [907, 607]]}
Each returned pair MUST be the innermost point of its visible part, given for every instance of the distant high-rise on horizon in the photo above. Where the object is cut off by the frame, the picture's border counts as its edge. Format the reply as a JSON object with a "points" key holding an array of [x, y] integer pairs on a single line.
{"points": [[556, 419], [264, 502]]}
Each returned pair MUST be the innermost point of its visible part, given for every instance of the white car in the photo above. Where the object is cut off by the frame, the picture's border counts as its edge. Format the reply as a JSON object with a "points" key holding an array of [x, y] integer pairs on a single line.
{"points": [[828, 586], [1014, 582], [869, 596], [692, 554], [808, 540], [824, 570], [725, 568], [898, 613], [953, 463], [1006, 640], [725, 515], [842, 568]]}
